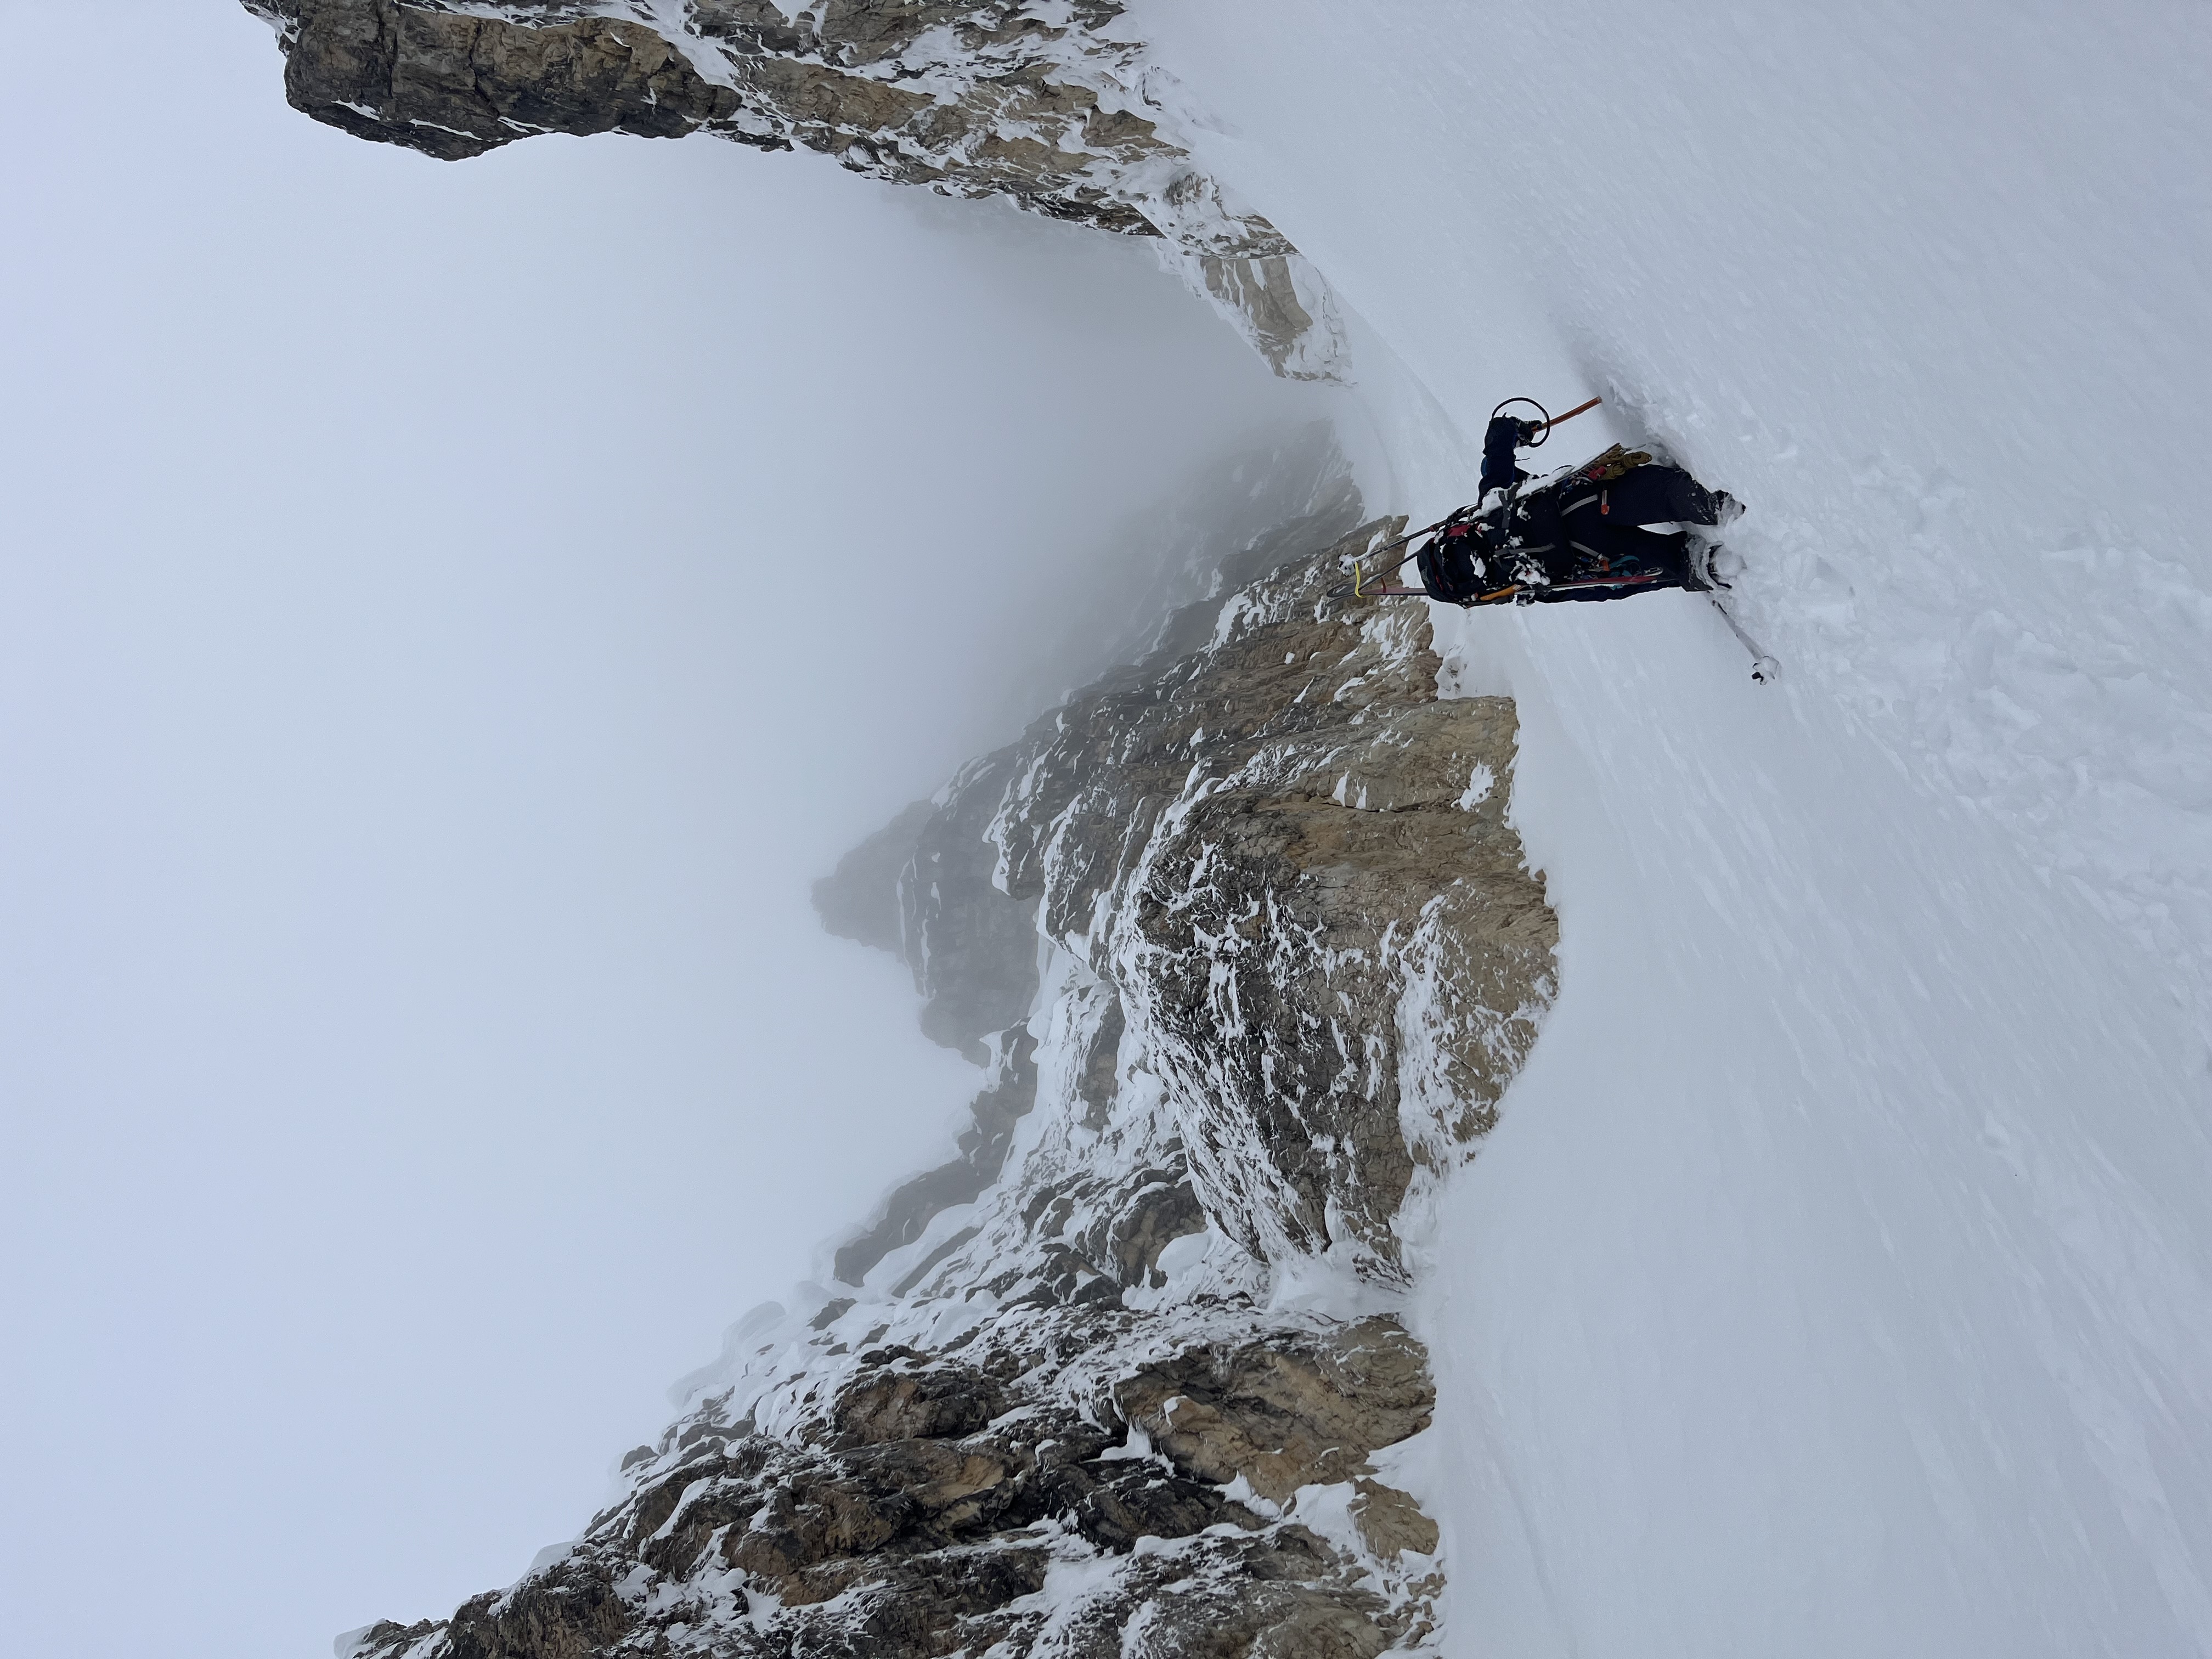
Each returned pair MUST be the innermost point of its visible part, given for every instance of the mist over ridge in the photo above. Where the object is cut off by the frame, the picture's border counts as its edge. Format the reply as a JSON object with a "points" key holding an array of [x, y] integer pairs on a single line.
{"points": [[454, 614], [1298, 1120]]}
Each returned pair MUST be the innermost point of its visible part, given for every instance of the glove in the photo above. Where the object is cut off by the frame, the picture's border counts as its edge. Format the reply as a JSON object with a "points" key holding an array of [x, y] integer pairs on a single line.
{"points": [[1499, 440]]}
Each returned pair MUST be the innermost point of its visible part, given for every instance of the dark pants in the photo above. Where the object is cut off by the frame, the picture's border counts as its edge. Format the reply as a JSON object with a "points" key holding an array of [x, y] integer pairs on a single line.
{"points": [[1645, 495], [1600, 537]]}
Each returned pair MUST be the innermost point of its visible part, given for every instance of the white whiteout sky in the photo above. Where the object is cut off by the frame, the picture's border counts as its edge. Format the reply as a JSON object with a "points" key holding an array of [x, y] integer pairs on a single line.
{"points": [[447, 616]]}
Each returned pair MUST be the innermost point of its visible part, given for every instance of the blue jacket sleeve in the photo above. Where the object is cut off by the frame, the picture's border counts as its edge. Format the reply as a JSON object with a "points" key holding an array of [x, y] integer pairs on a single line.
{"points": [[1503, 436]]}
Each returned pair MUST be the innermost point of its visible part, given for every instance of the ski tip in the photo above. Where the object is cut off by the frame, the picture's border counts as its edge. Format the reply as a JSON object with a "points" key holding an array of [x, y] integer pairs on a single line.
{"points": [[1765, 671]]}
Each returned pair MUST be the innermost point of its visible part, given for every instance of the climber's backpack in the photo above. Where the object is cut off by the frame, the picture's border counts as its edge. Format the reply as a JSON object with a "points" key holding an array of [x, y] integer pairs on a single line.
{"points": [[1450, 566], [1611, 465]]}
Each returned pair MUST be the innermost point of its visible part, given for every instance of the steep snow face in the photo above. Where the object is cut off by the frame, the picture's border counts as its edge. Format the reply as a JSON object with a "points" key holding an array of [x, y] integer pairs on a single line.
{"points": [[1837, 1280]]}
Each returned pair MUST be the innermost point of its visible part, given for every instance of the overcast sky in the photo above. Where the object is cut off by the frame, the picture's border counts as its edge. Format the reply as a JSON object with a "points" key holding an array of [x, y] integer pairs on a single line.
{"points": [[447, 616]]}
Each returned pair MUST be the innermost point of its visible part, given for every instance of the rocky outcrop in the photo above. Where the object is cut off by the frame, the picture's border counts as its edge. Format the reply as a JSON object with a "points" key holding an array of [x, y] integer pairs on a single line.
{"points": [[928, 1504], [983, 1146], [973, 947], [1027, 100], [934, 1504], [1284, 957], [1290, 860], [859, 900]]}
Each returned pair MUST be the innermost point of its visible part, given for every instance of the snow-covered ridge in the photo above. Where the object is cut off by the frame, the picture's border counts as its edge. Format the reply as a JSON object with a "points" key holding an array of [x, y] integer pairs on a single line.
{"points": [[1248, 952], [1835, 1283], [1028, 100]]}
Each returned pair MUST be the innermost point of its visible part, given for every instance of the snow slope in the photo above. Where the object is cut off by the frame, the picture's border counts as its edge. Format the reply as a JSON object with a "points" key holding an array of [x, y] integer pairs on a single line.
{"points": [[1837, 1281]]}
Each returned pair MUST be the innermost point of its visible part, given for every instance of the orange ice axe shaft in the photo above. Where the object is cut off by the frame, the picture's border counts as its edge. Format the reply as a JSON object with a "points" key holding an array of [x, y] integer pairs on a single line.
{"points": [[1579, 409]]}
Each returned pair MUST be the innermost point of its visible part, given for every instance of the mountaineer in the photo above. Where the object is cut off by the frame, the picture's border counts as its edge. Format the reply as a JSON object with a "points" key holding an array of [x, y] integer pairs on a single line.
{"points": [[1578, 537]]}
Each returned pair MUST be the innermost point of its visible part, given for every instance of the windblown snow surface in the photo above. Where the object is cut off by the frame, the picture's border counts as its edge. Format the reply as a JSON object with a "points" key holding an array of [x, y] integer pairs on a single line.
{"points": [[1837, 1281]]}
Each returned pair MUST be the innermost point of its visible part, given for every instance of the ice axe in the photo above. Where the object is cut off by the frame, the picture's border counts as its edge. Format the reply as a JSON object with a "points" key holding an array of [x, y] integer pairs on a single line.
{"points": [[1544, 427]]}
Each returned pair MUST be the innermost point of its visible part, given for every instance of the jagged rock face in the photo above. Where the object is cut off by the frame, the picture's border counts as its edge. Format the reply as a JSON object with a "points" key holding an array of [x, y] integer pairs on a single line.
{"points": [[454, 84], [972, 949], [1020, 98], [1290, 858], [1052, 1409], [926, 1504], [859, 900], [983, 1146], [922, 888]]}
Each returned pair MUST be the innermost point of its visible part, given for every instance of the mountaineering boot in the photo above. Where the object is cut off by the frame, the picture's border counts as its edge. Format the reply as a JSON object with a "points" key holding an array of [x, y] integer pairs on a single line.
{"points": [[1726, 508], [1711, 566]]}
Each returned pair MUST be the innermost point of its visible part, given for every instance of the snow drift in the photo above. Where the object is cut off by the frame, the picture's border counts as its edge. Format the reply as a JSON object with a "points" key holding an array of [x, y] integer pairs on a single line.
{"points": [[1836, 1281]]}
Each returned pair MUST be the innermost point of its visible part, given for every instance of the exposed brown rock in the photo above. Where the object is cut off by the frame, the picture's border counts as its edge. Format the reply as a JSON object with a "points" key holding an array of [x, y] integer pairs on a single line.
{"points": [[1154, 1218], [453, 85], [1390, 1521], [892, 1400], [871, 1540], [1295, 957], [973, 98], [1264, 846], [1284, 1413]]}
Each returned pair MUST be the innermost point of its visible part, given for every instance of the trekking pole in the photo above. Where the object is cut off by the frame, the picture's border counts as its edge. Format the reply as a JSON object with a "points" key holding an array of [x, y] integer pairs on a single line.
{"points": [[1765, 671]]}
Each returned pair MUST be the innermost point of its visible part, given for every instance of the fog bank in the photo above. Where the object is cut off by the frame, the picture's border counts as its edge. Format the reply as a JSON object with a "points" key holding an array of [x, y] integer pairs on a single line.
{"points": [[450, 615]]}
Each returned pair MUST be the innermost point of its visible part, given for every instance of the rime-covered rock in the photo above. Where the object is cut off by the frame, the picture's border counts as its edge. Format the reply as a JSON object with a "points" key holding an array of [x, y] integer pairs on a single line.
{"points": [[1289, 858], [1027, 100], [1051, 1407]]}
